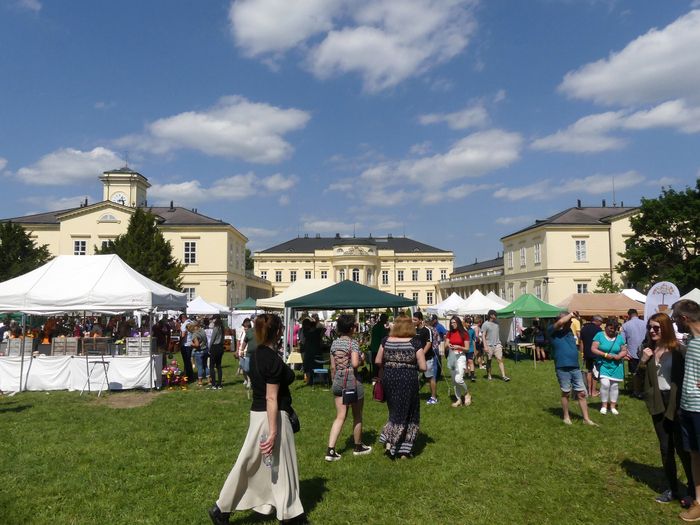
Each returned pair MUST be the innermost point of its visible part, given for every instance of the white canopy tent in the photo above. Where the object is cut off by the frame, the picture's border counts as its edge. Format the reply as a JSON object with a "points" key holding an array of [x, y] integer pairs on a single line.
{"points": [[198, 306], [449, 306], [693, 295], [296, 289], [494, 297], [478, 304], [634, 295]]}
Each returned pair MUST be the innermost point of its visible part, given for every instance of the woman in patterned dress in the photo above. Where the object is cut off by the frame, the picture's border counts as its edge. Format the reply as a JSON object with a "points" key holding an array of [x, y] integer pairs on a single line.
{"points": [[401, 357]]}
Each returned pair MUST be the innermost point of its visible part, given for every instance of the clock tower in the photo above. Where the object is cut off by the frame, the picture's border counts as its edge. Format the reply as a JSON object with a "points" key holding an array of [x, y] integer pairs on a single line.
{"points": [[124, 186]]}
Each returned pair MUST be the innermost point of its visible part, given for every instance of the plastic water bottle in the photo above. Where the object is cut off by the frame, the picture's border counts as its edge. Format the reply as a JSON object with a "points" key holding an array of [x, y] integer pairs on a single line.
{"points": [[267, 458]]}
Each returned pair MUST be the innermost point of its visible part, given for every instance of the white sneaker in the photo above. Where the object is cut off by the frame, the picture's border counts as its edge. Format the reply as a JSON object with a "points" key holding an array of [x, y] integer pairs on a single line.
{"points": [[614, 411], [603, 410]]}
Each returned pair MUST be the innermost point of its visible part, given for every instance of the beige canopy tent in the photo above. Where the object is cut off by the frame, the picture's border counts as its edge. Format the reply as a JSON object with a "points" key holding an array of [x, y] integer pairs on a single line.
{"points": [[605, 304]]}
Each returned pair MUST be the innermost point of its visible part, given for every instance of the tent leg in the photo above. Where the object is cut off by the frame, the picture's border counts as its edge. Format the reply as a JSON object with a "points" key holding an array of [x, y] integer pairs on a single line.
{"points": [[24, 339]]}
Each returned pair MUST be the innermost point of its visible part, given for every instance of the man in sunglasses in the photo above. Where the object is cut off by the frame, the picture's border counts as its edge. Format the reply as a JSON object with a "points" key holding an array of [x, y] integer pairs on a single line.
{"points": [[686, 315]]}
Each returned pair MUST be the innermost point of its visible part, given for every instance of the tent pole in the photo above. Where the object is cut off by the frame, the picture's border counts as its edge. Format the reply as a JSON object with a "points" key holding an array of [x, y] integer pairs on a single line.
{"points": [[24, 338], [151, 365]]}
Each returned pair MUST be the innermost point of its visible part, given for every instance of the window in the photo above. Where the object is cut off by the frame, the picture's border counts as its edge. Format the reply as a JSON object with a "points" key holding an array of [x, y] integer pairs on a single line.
{"points": [[414, 275], [429, 297], [415, 296], [278, 276], [443, 275], [79, 247], [385, 276], [190, 252], [105, 243], [324, 274], [399, 275], [370, 276], [292, 275], [510, 292], [189, 292], [509, 259], [523, 288], [307, 274], [341, 275], [263, 274], [538, 290], [523, 260], [429, 276], [107, 217], [581, 254], [400, 294], [582, 288], [538, 253], [356, 275]]}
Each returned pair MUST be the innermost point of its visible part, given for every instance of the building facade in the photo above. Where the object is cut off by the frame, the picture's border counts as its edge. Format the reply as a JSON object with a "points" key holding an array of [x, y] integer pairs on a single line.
{"points": [[485, 276], [212, 251], [565, 253], [396, 265]]}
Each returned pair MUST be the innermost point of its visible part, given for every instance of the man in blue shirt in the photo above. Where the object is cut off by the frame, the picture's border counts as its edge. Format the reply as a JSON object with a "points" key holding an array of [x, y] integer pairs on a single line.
{"points": [[635, 331], [566, 365]]}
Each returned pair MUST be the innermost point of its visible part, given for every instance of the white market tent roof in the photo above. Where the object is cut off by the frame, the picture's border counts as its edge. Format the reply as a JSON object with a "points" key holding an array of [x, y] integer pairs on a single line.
{"points": [[198, 306], [93, 283], [634, 295], [296, 289], [693, 295], [478, 303], [449, 306], [494, 297]]}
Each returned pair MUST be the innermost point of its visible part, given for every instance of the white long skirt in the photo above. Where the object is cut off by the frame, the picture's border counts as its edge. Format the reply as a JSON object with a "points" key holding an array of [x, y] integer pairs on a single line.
{"points": [[253, 485]]}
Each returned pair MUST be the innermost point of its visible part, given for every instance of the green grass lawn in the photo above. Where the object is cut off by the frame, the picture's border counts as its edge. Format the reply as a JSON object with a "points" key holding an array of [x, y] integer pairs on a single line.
{"points": [[507, 458]]}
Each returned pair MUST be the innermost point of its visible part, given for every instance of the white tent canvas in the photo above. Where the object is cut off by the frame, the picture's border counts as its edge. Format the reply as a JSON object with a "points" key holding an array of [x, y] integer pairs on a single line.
{"points": [[449, 306], [198, 306], [478, 304], [296, 289], [634, 295], [494, 297], [693, 295], [93, 283]]}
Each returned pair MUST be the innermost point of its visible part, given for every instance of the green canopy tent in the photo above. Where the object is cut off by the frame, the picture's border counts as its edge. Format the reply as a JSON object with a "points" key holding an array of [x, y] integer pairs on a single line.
{"points": [[248, 304], [341, 296], [527, 305]]}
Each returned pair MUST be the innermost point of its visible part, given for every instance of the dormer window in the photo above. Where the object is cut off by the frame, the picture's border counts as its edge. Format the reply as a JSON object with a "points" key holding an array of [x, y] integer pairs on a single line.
{"points": [[108, 217]]}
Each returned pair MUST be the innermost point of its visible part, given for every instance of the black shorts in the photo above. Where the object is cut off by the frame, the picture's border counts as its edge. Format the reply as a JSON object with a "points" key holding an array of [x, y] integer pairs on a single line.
{"points": [[590, 363], [690, 428]]}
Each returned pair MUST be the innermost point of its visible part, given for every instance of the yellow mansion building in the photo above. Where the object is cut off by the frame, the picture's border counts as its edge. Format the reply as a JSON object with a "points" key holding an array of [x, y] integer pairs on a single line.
{"points": [[213, 251], [396, 265]]}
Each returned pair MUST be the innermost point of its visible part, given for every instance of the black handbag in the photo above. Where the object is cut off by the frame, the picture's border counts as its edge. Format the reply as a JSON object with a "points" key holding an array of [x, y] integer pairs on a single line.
{"points": [[349, 394], [294, 420]]}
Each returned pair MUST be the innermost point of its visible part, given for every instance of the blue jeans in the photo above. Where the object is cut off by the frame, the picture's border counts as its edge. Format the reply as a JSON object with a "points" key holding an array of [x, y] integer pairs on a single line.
{"points": [[201, 359], [570, 376]]}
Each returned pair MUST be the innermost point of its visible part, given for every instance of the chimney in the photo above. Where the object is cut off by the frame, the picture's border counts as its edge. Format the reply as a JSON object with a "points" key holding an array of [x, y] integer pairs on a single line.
{"points": [[603, 203], [389, 236], [86, 202], [578, 203], [622, 204], [172, 208], [318, 235], [306, 236]]}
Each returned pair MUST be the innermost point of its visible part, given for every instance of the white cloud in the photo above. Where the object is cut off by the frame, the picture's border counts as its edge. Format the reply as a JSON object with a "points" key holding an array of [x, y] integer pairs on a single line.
{"points": [[235, 128], [53, 203], [660, 65], [284, 200], [671, 114], [383, 41], [254, 231], [592, 185], [500, 96], [69, 166], [518, 219], [422, 148], [3, 163], [471, 117], [235, 187], [32, 5], [316, 225]]}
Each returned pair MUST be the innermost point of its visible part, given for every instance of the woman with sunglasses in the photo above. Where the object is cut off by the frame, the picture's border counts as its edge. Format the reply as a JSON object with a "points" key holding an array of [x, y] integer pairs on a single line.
{"points": [[661, 368], [611, 350]]}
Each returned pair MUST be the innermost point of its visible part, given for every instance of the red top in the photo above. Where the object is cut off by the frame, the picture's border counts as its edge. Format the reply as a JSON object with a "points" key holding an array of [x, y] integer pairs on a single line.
{"points": [[455, 338]]}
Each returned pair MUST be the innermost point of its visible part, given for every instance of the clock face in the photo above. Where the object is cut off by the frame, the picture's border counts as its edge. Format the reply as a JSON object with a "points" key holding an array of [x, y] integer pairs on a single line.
{"points": [[119, 197]]}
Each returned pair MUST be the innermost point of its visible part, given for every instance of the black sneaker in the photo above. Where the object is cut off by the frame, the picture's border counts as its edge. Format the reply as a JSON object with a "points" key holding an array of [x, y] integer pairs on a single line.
{"points": [[332, 455], [665, 497], [218, 517], [506, 378], [473, 378], [361, 450]]}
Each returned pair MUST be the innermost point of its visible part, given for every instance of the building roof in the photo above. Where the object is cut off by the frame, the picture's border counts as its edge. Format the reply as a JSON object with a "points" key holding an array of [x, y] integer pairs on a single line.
{"points": [[579, 216], [491, 263], [311, 244], [172, 216]]}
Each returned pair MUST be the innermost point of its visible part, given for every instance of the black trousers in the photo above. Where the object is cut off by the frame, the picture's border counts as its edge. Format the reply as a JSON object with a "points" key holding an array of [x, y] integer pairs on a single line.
{"points": [[216, 354], [186, 352], [670, 444]]}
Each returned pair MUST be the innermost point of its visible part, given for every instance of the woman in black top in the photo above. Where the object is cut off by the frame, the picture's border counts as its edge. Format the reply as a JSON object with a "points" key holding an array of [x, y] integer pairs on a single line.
{"points": [[217, 353], [265, 477]]}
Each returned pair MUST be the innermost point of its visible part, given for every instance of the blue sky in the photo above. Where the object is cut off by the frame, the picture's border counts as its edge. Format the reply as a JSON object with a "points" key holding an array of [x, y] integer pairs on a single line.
{"points": [[454, 122]]}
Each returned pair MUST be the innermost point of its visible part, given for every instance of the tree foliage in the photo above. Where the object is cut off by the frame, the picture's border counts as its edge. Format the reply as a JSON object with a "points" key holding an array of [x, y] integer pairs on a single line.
{"points": [[665, 245], [144, 248], [606, 285], [249, 264], [19, 253]]}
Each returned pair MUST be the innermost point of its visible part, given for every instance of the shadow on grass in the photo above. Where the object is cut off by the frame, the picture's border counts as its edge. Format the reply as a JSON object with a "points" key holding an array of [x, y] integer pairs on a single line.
{"points": [[653, 477], [369, 437], [421, 441], [18, 408]]}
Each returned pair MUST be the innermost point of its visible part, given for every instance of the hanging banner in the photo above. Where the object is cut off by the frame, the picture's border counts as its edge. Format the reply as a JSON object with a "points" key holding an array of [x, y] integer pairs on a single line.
{"points": [[660, 298]]}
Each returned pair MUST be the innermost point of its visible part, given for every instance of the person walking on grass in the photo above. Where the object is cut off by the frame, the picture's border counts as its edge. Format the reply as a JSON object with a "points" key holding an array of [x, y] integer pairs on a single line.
{"points": [[611, 350], [458, 345], [490, 333], [635, 331], [217, 353], [566, 366], [686, 315], [431, 357], [345, 360]]}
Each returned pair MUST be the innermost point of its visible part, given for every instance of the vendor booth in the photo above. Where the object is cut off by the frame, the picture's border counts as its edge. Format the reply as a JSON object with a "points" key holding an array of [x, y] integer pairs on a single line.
{"points": [[603, 304], [77, 284]]}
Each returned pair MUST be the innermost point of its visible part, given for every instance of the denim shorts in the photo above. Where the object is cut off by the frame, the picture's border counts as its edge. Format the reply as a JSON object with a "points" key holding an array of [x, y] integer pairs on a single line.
{"points": [[570, 376], [690, 428], [431, 367]]}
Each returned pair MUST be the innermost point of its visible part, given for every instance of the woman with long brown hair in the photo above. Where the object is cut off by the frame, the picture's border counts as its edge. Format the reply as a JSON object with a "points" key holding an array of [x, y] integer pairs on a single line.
{"points": [[661, 368], [401, 355]]}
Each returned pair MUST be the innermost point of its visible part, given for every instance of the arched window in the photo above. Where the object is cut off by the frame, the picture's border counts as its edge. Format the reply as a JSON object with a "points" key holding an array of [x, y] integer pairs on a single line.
{"points": [[107, 217], [356, 275]]}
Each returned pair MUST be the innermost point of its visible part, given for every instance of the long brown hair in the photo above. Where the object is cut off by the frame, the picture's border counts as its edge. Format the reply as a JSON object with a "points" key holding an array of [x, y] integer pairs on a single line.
{"points": [[668, 334], [268, 327]]}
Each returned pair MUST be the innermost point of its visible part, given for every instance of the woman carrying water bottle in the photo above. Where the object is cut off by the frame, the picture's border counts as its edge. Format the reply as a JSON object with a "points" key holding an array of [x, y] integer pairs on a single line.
{"points": [[252, 483]]}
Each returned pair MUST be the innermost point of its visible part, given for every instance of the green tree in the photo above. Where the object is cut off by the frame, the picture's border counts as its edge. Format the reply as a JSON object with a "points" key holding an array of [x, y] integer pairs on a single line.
{"points": [[606, 285], [19, 253], [248, 260], [666, 241], [144, 248]]}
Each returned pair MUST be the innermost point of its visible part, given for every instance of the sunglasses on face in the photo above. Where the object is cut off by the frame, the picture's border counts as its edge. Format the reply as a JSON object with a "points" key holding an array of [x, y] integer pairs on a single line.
{"points": [[653, 328]]}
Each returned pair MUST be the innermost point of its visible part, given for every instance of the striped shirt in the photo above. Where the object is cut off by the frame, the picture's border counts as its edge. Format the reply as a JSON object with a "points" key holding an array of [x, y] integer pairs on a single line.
{"points": [[690, 394]]}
